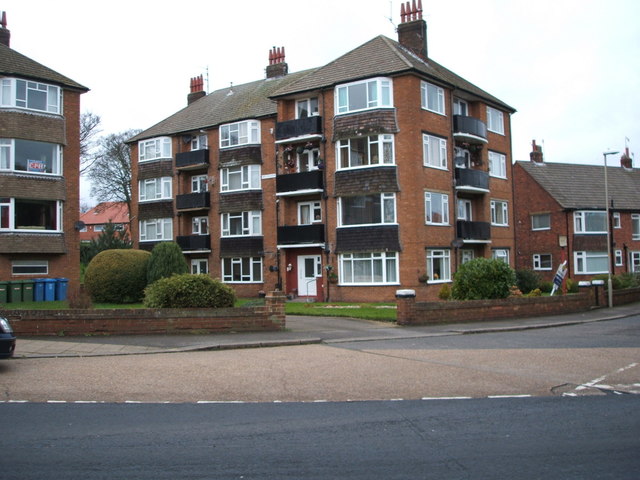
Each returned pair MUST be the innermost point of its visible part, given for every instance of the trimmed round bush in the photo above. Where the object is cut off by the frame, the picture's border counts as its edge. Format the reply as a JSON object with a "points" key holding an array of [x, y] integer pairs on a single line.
{"points": [[527, 280], [189, 291], [166, 260], [117, 276], [483, 278]]}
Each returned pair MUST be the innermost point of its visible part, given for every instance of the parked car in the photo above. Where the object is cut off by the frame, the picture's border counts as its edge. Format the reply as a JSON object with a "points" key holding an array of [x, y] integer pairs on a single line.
{"points": [[7, 339]]}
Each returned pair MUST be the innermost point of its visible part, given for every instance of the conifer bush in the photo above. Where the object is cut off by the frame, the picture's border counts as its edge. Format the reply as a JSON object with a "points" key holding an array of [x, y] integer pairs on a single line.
{"points": [[189, 291], [166, 260], [117, 276], [483, 278]]}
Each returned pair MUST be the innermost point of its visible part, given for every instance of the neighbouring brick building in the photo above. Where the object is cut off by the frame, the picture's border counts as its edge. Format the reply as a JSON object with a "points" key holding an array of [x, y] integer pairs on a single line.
{"points": [[94, 220], [561, 215], [381, 169], [39, 169]]}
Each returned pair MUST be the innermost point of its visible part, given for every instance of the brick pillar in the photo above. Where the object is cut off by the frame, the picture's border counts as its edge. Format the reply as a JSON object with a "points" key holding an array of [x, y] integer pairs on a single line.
{"points": [[274, 308], [406, 304], [601, 299]]}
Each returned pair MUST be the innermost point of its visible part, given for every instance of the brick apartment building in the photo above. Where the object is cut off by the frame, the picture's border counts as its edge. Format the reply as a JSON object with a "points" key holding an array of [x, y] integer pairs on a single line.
{"points": [[39, 169], [95, 219], [377, 171], [561, 215]]}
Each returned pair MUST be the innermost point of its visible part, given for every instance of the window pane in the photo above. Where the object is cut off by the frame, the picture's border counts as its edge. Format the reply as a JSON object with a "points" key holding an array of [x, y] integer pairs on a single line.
{"points": [[358, 96]]}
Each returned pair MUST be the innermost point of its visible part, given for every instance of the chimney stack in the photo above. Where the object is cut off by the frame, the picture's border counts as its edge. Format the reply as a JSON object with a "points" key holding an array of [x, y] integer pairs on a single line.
{"points": [[196, 89], [412, 31], [5, 34], [536, 153], [626, 161], [277, 66]]}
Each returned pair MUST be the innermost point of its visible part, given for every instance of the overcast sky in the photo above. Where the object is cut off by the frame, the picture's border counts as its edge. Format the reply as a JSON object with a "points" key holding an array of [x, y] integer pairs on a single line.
{"points": [[570, 68]]}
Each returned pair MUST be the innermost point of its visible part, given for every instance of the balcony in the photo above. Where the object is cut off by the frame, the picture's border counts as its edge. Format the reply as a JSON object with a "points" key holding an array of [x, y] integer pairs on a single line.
{"points": [[472, 181], [193, 160], [469, 130], [474, 232], [302, 128], [194, 243], [301, 234], [193, 201], [299, 183]]}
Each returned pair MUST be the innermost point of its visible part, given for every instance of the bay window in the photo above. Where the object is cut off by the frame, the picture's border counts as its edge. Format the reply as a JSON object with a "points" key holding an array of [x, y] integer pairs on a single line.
{"points": [[29, 95], [369, 268], [367, 209], [30, 156], [242, 224], [30, 215], [365, 151], [246, 177], [240, 133], [154, 149], [364, 95]]}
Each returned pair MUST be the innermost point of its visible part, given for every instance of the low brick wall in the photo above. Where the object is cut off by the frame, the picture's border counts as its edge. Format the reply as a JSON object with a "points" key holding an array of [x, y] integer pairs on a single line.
{"points": [[259, 318], [411, 312]]}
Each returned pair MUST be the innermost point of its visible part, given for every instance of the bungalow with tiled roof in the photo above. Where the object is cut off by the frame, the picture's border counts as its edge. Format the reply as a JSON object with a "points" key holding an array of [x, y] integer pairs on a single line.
{"points": [[95, 219]]}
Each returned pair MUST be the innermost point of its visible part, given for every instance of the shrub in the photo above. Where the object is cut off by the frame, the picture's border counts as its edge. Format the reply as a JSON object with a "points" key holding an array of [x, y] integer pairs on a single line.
{"points": [[166, 260], [534, 293], [629, 280], [189, 291], [483, 278], [445, 292], [616, 281], [572, 286], [545, 286], [117, 276], [527, 280]]}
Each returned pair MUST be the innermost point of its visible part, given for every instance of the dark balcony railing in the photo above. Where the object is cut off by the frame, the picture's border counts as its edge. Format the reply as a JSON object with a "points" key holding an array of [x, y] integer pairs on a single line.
{"points": [[480, 231], [193, 201], [292, 182], [472, 179], [189, 243], [470, 129], [193, 159], [299, 127], [301, 234]]}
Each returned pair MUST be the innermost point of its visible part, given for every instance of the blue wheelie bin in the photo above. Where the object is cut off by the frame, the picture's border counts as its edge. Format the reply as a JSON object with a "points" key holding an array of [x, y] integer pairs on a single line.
{"points": [[38, 289], [49, 289], [61, 288]]}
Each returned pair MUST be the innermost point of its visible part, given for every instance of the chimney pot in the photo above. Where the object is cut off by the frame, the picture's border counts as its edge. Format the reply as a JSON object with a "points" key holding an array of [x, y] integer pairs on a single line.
{"points": [[412, 31], [277, 66], [536, 155], [5, 34]]}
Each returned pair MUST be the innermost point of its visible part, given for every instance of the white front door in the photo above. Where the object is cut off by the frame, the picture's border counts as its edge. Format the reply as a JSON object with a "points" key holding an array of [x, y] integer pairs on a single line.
{"points": [[309, 267]]}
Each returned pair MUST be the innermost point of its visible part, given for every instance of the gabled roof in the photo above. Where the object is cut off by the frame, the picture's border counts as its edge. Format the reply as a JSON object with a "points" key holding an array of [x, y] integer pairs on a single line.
{"points": [[14, 64], [382, 56], [582, 186], [239, 102], [105, 212]]}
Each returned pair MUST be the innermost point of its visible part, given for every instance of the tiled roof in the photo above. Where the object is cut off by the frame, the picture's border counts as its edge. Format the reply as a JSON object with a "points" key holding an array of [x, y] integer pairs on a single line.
{"points": [[382, 56], [14, 64], [582, 186], [116, 212], [238, 102]]}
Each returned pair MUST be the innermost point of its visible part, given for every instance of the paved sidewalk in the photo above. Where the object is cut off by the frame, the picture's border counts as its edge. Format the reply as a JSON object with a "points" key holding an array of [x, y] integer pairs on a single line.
{"points": [[300, 331]]}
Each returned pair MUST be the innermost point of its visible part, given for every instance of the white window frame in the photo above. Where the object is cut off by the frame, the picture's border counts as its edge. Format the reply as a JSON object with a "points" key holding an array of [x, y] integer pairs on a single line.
{"points": [[315, 212], [635, 226], [8, 205], [161, 186], [37, 267], [634, 262], [249, 178], [200, 226], [378, 92], [308, 159], [542, 261], [199, 183], [236, 134], [251, 269], [388, 212], [197, 264], [441, 256], [618, 258], [580, 219], [371, 263], [434, 151], [465, 210], [383, 143], [250, 223], [616, 220], [535, 216], [8, 158], [499, 213], [164, 229], [497, 164], [500, 254], [154, 149], [432, 98], [10, 97], [582, 259], [495, 120], [460, 107], [199, 142], [307, 107], [439, 199]]}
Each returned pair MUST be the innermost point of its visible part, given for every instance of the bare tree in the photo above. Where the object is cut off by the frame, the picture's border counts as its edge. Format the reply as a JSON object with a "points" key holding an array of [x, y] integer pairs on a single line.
{"points": [[89, 128], [110, 170]]}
